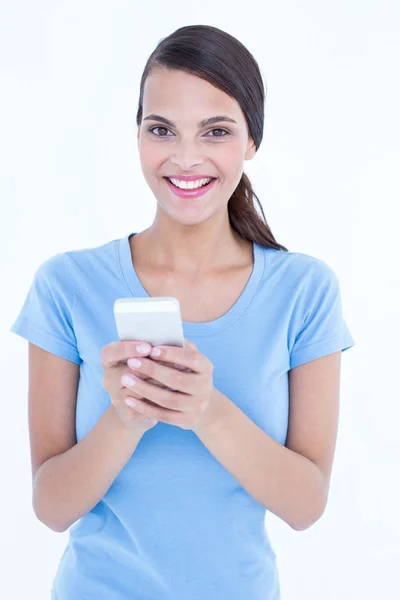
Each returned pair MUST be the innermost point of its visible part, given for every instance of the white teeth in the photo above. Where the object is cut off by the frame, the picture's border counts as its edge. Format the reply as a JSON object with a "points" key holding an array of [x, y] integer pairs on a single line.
{"points": [[189, 185]]}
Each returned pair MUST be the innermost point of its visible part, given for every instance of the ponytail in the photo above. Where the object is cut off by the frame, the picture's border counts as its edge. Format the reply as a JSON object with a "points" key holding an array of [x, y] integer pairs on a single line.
{"points": [[245, 219]]}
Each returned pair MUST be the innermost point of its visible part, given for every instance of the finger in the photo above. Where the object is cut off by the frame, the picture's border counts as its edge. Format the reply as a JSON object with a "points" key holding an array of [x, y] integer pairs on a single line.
{"points": [[150, 380], [190, 358], [119, 352], [175, 365], [133, 390], [190, 344], [169, 376], [153, 411], [168, 399], [118, 372]]}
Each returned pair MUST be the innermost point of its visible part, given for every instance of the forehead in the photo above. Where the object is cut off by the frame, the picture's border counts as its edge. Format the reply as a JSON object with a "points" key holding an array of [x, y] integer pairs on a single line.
{"points": [[179, 96]]}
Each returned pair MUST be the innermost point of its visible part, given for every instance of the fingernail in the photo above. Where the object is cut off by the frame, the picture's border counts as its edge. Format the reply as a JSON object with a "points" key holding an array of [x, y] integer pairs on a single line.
{"points": [[155, 352], [134, 362], [128, 380], [143, 348], [130, 402]]}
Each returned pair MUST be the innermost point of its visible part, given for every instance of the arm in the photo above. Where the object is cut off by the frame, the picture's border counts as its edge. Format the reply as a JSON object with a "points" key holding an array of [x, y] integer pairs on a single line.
{"points": [[70, 484], [291, 481], [70, 478]]}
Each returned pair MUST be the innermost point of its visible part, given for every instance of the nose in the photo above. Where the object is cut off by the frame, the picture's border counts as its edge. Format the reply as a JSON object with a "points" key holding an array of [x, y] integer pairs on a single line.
{"points": [[186, 155]]}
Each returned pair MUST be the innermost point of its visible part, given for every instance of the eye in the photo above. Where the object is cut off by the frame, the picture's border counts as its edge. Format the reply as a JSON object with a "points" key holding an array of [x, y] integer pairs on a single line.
{"points": [[219, 129], [152, 130]]}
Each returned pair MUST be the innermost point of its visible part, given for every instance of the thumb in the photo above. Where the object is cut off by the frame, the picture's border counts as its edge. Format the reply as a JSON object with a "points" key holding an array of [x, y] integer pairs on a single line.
{"points": [[190, 344]]}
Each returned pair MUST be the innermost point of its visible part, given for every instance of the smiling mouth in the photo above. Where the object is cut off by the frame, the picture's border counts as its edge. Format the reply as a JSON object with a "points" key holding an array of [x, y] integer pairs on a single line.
{"points": [[211, 179], [190, 192]]}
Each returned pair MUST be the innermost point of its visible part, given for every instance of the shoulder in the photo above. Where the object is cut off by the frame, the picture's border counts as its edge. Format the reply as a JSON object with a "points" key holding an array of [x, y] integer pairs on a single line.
{"points": [[53, 271], [74, 266], [93, 254], [298, 268], [61, 271]]}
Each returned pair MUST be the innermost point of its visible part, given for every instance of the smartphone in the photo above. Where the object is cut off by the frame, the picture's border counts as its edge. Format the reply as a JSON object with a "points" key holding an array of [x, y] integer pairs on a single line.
{"points": [[156, 320]]}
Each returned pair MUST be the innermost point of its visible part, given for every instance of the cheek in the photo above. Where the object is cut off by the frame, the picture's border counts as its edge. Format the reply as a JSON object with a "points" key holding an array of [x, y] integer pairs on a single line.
{"points": [[152, 156], [230, 163]]}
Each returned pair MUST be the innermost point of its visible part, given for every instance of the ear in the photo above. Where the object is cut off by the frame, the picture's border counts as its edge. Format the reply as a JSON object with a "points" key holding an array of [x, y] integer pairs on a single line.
{"points": [[251, 150]]}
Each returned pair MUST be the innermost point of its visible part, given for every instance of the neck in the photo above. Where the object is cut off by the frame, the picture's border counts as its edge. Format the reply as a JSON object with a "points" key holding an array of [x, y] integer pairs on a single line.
{"points": [[191, 250]]}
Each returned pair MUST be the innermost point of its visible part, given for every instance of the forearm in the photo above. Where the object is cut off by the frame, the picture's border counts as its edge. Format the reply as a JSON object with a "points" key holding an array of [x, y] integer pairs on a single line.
{"points": [[285, 482], [69, 485]]}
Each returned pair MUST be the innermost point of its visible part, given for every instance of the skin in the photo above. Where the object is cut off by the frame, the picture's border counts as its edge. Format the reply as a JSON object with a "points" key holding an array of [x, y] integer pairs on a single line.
{"points": [[192, 236]]}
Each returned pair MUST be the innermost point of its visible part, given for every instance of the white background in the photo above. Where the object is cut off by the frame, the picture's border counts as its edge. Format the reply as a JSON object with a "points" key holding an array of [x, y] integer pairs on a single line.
{"points": [[327, 174]]}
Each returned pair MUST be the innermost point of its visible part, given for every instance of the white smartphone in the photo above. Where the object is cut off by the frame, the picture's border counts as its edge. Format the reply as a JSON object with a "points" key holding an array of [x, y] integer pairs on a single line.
{"points": [[156, 320]]}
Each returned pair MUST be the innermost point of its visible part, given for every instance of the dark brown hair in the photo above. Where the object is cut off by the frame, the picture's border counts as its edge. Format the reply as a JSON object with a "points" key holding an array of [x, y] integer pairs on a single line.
{"points": [[223, 61]]}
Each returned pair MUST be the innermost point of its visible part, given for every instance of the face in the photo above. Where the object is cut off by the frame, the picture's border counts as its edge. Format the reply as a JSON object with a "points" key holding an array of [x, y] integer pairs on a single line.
{"points": [[185, 148]]}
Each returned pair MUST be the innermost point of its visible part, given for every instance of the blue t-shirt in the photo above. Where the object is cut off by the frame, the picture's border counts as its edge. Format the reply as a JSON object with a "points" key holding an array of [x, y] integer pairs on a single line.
{"points": [[175, 524]]}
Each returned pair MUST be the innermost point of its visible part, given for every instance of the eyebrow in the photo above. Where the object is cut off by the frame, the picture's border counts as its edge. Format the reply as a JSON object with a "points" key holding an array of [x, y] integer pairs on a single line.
{"points": [[203, 123]]}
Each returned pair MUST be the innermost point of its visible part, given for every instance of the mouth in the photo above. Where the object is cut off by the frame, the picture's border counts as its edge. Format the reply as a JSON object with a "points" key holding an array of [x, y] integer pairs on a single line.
{"points": [[190, 193]]}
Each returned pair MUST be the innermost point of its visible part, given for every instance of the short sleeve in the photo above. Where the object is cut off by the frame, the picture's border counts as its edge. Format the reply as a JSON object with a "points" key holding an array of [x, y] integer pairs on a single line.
{"points": [[321, 328], [45, 318]]}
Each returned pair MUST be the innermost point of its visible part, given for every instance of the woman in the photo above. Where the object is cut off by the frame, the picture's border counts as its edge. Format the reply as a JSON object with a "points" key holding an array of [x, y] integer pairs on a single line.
{"points": [[166, 498]]}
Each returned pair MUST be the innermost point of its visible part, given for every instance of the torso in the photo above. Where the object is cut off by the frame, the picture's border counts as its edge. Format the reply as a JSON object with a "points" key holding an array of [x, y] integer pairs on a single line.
{"points": [[201, 300]]}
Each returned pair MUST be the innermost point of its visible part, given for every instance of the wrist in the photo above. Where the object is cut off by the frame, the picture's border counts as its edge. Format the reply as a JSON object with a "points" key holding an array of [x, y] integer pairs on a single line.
{"points": [[215, 414], [125, 426]]}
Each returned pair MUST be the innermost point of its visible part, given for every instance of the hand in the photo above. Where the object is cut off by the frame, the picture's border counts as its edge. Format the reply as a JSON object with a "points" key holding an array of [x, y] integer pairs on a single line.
{"points": [[114, 358], [189, 399]]}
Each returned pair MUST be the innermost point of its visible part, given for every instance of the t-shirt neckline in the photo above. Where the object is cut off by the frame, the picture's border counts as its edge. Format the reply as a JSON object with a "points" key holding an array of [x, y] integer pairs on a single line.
{"points": [[206, 328]]}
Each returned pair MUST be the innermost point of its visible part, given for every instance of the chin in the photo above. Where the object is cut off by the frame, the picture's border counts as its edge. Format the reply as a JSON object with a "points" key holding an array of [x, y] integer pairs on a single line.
{"points": [[187, 217]]}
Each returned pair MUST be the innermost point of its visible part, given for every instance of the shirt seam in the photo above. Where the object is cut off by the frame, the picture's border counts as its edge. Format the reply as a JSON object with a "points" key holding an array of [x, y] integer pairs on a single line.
{"points": [[118, 252], [44, 332], [325, 340], [67, 259]]}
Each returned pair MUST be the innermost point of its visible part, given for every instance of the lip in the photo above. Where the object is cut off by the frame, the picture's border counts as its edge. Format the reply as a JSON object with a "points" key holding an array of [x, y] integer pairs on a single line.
{"points": [[190, 177], [190, 193]]}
